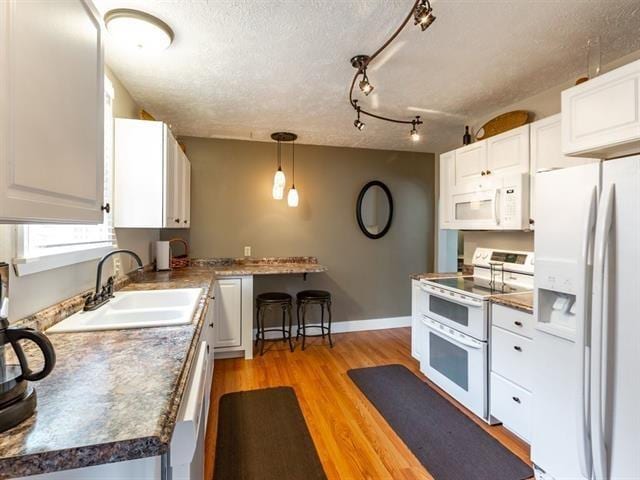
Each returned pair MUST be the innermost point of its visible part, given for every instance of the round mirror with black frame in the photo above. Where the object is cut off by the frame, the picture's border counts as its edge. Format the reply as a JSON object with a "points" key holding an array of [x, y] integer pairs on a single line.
{"points": [[374, 209]]}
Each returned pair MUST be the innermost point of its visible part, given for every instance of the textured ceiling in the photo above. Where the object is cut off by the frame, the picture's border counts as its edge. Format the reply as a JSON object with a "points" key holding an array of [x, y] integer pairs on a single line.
{"points": [[245, 68]]}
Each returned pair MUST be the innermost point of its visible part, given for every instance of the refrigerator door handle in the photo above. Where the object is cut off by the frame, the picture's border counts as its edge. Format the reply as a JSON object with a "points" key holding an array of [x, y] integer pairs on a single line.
{"points": [[584, 443], [599, 328]]}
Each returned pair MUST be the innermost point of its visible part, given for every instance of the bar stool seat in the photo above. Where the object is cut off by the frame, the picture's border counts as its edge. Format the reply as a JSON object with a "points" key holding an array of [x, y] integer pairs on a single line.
{"points": [[269, 300], [313, 297]]}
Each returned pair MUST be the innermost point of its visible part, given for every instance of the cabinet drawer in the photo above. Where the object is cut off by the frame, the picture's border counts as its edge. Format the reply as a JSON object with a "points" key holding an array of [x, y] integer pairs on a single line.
{"points": [[511, 405], [513, 320], [512, 356]]}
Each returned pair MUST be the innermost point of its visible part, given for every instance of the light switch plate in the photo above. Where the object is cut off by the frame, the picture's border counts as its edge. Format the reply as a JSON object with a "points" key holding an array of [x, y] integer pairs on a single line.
{"points": [[247, 251]]}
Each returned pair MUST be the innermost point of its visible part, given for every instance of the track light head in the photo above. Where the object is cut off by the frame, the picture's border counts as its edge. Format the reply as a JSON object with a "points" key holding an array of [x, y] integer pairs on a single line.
{"points": [[364, 84], [415, 136], [423, 15], [357, 123]]}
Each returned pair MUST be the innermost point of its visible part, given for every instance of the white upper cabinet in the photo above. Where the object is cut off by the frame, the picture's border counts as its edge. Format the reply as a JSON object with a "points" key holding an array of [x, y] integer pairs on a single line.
{"points": [[152, 177], [601, 117], [546, 152], [51, 112], [508, 153], [186, 191], [470, 162]]}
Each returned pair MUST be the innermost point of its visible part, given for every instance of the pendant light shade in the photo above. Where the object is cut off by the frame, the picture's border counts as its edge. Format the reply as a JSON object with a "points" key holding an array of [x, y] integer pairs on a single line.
{"points": [[292, 197], [278, 192], [279, 179]]}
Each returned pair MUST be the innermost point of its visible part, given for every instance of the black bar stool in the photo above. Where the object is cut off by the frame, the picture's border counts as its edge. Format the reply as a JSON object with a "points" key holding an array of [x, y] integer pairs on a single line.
{"points": [[313, 297], [265, 301]]}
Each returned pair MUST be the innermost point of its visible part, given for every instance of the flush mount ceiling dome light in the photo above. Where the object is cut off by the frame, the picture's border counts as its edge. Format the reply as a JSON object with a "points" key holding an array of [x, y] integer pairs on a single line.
{"points": [[422, 15], [138, 29]]}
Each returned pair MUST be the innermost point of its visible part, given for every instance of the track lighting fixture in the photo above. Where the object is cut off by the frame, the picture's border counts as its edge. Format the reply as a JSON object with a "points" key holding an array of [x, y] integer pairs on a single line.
{"points": [[415, 136], [422, 14], [365, 86], [357, 123]]}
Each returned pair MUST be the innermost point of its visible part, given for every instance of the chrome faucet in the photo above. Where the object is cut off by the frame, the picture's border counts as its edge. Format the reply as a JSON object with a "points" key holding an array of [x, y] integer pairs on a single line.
{"points": [[104, 293]]}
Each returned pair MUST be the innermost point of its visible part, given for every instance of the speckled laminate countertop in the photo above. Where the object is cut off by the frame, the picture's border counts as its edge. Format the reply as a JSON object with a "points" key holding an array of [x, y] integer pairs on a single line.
{"points": [[520, 301], [261, 266], [434, 276], [113, 395]]}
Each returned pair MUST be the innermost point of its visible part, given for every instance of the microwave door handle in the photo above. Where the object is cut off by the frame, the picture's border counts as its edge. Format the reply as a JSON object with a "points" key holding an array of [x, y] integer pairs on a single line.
{"points": [[461, 341], [599, 328], [496, 206], [584, 448]]}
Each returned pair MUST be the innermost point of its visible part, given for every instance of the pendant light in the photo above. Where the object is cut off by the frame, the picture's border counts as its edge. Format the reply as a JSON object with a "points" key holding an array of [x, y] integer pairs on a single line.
{"points": [[279, 179], [292, 196]]}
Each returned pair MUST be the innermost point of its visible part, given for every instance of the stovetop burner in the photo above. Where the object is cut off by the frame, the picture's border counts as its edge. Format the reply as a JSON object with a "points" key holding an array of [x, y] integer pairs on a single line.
{"points": [[474, 287]]}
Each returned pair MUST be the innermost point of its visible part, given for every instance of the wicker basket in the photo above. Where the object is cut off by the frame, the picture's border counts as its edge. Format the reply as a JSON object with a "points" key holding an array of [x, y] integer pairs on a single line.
{"points": [[178, 261]]}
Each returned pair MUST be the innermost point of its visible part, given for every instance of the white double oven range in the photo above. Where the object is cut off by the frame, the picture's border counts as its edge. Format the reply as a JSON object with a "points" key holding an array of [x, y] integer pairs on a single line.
{"points": [[455, 323]]}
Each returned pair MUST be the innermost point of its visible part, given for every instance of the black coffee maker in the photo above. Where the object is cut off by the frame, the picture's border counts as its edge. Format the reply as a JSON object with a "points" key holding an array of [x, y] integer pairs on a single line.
{"points": [[17, 397]]}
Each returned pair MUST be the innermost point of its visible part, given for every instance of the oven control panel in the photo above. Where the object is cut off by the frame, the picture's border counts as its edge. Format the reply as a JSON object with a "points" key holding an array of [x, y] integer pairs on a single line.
{"points": [[509, 260]]}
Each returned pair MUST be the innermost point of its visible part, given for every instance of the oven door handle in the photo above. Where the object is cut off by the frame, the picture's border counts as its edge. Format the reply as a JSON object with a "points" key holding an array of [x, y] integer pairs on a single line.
{"points": [[461, 301], [460, 341]]}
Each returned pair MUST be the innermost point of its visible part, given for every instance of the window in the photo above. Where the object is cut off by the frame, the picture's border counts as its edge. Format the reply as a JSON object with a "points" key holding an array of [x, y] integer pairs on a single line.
{"points": [[43, 247]]}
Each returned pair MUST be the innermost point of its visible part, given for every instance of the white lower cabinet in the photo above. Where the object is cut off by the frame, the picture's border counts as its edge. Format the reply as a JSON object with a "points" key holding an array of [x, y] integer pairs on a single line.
{"points": [[418, 299], [234, 317], [511, 405], [511, 369]]}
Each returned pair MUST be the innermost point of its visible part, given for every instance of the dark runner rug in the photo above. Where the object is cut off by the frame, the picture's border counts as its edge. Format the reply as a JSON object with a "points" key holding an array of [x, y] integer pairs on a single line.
{"points": [[262, 435], [443, 439]]}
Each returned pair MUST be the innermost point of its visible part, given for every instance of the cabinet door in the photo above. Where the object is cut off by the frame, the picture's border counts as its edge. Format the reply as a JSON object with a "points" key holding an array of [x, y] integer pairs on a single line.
{"points": [[546, 152], [601, 117], [186, 191], [228, 325], [172, 181], [447, 167], [508, 152], [51, 112], [470, 162], [138, 173]]}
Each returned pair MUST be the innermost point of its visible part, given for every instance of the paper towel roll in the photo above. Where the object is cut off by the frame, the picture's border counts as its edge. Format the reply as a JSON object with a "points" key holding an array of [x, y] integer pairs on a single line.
{"points": [[162, 256]]}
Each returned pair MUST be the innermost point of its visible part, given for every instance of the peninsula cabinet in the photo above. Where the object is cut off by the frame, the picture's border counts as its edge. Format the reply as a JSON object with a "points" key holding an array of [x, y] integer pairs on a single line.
{"points": [[51, 112], [152, 177], [601, 117], [234, 317]]}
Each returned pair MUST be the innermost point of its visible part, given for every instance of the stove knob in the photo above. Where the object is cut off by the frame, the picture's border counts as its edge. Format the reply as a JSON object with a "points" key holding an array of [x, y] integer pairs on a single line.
{"points": [[484, 256]]}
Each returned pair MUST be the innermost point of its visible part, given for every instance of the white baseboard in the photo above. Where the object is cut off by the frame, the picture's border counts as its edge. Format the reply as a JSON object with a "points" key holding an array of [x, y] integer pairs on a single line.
{"points": [[360, 325], [370, 324]]}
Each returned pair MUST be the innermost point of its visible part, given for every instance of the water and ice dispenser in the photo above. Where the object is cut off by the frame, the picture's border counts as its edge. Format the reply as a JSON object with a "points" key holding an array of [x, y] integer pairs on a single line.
{"points": [[556, 312]]}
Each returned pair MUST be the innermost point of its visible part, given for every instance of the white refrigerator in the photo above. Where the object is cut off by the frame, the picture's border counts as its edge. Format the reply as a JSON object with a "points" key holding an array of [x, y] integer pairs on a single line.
{"points": [[586, 393]]}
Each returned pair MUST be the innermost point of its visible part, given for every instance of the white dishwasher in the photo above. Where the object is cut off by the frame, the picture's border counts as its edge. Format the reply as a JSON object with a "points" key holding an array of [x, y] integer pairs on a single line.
{"points": [[186, 452]]}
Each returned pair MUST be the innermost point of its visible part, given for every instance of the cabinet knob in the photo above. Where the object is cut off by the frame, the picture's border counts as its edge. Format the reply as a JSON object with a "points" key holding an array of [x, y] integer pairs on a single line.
{"points": [[185, 221], [106, 208], [517, 348], [211, 325], [488, 172], [516, 399], [532, 221], [177, 220], [518, 323], [483, 173]]}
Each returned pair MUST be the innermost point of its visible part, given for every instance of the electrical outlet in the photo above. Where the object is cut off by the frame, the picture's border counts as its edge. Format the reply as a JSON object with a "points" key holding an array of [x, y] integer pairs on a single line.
{"points": [[247, 251]]}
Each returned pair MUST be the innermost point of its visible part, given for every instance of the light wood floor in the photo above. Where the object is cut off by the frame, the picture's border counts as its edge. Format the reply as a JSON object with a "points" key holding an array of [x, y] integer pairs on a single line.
{"points": [[353, 440]]}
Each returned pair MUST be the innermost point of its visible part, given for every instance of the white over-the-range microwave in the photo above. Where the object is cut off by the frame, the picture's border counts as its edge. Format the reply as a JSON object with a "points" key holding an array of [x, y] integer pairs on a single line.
{"points": [[500, 203]]}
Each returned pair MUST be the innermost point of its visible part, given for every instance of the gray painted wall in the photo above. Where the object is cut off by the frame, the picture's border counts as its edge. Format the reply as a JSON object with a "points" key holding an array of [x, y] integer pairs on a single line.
{"points": [[231, 207]]}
